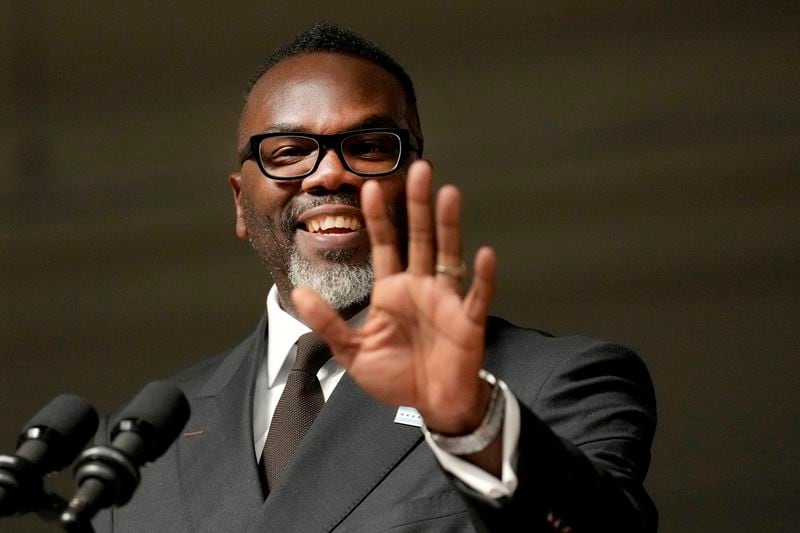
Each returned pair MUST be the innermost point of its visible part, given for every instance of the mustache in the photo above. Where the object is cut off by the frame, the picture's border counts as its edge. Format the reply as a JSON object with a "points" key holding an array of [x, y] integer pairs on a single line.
{"points": [[300, 204]]}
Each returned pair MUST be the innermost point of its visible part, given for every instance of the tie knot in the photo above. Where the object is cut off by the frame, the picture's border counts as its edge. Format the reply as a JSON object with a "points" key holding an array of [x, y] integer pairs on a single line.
{"points": [[312, 353]]}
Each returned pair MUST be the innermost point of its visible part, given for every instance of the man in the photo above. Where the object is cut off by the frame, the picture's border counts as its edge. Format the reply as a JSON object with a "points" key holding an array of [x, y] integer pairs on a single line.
{"points": [[334, 197]]}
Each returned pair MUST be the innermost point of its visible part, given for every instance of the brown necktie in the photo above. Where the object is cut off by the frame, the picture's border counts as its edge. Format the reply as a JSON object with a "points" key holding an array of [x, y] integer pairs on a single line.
{"points": [[299, 405]]}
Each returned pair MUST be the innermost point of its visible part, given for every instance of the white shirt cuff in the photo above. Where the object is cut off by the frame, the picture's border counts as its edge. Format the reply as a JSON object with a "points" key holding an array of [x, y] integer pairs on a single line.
{"points": [[478, 479]]}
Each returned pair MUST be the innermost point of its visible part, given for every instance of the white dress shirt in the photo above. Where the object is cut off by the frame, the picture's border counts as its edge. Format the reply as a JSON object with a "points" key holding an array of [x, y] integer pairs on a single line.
{"points": [[284, 330]]}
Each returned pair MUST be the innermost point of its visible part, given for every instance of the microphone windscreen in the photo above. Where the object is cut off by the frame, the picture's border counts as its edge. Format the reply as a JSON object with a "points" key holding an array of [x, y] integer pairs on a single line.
{"points": [[68, 422], [162, 407]]}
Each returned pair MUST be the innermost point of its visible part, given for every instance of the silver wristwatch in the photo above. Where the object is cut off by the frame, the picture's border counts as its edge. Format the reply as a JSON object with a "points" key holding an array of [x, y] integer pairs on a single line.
{"points": [[485, 433]]}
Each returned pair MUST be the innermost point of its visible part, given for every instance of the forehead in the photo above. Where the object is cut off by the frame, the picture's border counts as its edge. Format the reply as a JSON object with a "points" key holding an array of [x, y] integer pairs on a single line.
{"points": [[322, 93]]}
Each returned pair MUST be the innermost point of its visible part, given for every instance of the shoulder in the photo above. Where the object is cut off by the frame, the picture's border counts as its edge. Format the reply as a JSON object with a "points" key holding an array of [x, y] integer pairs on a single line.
{"points": [[509, 344], [212, 373], [193, 376], [536, 364]]}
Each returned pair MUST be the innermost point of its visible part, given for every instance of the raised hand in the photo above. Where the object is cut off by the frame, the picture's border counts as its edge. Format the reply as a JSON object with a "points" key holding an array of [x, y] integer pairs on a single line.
{"points": [[422, 342]]}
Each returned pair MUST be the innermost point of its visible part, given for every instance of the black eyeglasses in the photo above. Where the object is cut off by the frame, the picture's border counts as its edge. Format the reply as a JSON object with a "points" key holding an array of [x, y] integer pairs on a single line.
{"points": [[368, 153]]}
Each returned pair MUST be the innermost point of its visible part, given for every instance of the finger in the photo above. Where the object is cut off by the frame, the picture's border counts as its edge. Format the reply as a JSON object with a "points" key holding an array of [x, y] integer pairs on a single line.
{"points": [[420, 219], [479, 297], [320, 317], [448, 236], [382, 234]]}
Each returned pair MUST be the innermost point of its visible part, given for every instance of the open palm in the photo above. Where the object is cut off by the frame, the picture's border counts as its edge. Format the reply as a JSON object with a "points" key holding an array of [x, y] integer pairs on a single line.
{"points": [[422, 342]]}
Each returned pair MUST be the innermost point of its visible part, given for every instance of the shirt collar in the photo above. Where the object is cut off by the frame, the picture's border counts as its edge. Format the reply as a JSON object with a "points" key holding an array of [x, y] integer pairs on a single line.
{"points": [[283, 332]]}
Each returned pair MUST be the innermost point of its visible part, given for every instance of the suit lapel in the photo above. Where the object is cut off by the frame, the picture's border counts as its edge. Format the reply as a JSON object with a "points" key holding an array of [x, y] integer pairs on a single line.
{"points": [[350, 448], [215, 454]]}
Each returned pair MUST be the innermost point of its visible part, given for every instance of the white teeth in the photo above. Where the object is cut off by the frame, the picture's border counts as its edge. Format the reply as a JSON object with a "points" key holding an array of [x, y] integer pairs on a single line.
{"points": [[326, 222]]}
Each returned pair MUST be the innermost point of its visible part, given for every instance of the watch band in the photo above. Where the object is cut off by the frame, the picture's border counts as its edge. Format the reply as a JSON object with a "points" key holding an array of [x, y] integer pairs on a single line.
{"points": [[485, 433]]}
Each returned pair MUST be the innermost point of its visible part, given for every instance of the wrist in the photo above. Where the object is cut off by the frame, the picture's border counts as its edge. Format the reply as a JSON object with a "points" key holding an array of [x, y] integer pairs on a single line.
{"points": [[483, 433]]}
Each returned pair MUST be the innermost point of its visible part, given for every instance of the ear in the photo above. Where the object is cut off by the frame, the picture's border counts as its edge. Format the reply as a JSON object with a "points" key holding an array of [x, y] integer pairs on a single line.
{"points": [[235, 181]]}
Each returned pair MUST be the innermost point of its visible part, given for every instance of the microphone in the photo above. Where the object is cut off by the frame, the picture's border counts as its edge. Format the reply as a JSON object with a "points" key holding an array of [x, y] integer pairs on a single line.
{"points": [[108, 475], [49, 442]]}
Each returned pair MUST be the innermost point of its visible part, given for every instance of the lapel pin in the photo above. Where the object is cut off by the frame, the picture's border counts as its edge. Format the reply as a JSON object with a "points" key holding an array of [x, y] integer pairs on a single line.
{"points": [[408, 416]]}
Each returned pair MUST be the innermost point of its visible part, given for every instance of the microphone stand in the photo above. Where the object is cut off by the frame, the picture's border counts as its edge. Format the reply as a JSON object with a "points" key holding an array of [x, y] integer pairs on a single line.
{"points": [[18, 483], [52, 508], [74, 523]]}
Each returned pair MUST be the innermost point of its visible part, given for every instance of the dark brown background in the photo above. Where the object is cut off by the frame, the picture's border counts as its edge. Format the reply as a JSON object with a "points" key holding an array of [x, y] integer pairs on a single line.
{"points": [[637, 170]]}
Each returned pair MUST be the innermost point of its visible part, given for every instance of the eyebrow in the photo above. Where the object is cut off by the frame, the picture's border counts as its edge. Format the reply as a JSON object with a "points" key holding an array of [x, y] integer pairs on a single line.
{"points": [[371, 121]]}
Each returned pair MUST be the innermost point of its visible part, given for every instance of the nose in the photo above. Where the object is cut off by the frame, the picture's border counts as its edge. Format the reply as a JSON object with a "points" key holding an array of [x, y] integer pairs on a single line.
{"points": [[331, 175]]}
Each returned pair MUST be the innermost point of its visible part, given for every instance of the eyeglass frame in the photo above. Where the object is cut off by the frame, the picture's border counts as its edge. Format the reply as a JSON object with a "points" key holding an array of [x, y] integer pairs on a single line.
{"points": [[325, 142]]}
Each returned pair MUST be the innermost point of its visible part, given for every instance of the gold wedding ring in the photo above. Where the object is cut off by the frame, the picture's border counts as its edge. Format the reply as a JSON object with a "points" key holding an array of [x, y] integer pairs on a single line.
{"points": [[457, 272]]}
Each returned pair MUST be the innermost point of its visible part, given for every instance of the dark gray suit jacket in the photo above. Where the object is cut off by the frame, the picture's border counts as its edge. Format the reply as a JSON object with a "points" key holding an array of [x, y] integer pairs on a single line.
{"points": [[588, 417]]}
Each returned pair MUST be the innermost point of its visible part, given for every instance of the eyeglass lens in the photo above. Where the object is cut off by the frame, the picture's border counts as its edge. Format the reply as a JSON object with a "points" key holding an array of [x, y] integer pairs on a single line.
{"points": [[371, 153]]}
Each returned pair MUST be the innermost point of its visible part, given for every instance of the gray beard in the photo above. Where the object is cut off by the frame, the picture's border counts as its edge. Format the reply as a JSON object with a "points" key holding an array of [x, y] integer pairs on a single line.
{"points": [[340, 284]]}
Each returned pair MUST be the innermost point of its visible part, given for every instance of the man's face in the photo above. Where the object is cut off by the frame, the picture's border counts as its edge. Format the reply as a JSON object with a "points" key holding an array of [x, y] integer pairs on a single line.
{"points": [[317, 93]]}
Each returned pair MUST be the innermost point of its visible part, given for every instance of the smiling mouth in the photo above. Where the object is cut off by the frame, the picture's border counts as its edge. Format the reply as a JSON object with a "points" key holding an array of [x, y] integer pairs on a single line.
{"points": [[332, 224]]}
